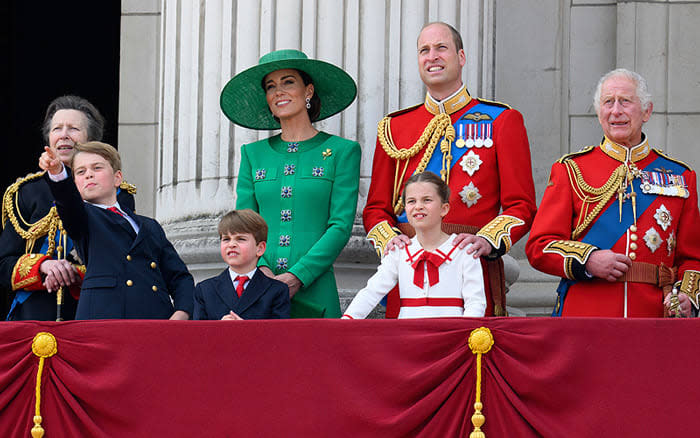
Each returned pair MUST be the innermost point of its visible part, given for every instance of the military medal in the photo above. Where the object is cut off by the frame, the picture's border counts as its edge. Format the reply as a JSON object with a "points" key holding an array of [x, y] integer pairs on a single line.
{"points": [[471, 162], [652, 239], [470, 136], [663, 217], [664, 183], [470, 194], [488, 142], [671, 243], [460, 143], [479, 142]]}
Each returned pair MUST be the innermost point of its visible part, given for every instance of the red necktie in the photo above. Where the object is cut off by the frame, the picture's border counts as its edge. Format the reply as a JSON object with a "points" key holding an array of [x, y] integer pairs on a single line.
{"points": [[432, 261], [241, 279], [116, 210]]}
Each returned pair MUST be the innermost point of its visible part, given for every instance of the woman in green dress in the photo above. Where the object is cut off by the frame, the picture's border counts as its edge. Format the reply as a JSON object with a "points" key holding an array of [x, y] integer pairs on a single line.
{"points": [[303, 182]]}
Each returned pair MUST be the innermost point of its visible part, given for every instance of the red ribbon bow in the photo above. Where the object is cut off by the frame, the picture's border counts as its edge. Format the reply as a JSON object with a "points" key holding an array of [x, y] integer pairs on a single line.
{"points": [[432, 261]]}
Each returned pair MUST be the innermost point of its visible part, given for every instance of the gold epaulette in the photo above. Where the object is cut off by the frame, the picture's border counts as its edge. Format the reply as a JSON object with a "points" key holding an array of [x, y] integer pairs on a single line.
{"points": [[495, 102], [658, 151], [582, 151], [8, 199], [130, 188]]}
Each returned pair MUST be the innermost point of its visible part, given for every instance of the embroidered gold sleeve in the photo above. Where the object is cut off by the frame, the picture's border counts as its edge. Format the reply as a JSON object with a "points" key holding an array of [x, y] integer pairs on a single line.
{"points": [[380, 235], [498, 230], [25, 274], [691, 286], [571, 250]]}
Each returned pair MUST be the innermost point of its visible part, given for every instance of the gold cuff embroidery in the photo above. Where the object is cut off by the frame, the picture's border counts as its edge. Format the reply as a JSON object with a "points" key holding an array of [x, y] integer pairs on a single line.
{"points": [[691, 286], [380, 235], [570, 249], [23, 268], [498, 230]]}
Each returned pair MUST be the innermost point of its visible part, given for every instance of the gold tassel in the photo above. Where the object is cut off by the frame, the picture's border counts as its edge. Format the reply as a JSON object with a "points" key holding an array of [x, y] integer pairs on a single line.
{"points": [[480, 342], [44, 345]]}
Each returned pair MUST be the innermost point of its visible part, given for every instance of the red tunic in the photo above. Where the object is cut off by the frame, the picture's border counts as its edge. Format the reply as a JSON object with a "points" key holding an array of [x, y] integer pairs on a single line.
{"points": [[667, 229], [503, 178]]}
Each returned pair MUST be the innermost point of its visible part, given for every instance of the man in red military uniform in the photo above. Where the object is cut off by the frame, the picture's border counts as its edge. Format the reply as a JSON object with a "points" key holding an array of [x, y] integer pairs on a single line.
{"points": [[479, 148], [619, 222]]}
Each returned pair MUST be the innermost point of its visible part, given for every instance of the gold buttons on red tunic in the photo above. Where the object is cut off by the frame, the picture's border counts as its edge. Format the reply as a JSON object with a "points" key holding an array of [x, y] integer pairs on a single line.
{"points": [[633, 255], [633, 246]]}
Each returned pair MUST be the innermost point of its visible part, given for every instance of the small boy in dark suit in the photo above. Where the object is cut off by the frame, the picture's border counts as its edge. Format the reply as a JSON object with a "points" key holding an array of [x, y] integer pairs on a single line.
{"points": [[132, 270], [242, 291]]}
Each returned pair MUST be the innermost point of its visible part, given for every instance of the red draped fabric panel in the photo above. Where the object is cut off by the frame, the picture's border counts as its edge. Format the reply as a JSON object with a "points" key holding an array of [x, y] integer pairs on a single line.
{"points": [[544, 377]]}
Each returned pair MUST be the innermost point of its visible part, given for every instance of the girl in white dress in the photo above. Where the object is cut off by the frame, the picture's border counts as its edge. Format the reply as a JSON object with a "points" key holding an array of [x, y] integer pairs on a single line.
{"points": [[435, 278]]}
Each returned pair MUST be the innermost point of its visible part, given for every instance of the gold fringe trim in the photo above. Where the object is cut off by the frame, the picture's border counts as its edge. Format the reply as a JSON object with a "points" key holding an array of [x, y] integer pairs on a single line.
{"points": [[44, 345], [480, 342]]}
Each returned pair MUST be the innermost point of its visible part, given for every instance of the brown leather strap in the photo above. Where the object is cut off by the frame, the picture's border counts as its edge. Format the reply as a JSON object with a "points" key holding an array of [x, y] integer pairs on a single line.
{"points": [[658, 275], [494, 267]]}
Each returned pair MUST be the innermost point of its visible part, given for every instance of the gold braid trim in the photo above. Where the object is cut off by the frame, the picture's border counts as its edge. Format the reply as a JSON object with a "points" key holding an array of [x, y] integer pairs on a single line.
{"points": [[29, 232], [589, 194], [437, 128]]}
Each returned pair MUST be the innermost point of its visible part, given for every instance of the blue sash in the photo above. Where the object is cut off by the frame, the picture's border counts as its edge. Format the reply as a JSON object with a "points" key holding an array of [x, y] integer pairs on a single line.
{"points": [[435, 162], [607, 228]]}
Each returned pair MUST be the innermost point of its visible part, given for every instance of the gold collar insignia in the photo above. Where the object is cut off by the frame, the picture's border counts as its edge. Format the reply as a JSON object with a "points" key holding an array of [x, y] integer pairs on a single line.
{"points": [[450, 105], [624, 154]]}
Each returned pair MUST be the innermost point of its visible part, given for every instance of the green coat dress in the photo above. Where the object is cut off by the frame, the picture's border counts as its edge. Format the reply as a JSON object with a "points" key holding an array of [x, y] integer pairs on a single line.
{"points": [[307, 194]]}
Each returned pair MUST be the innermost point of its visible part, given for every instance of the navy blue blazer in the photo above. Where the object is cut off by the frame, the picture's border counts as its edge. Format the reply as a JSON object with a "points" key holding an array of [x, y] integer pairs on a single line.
{"points": [[127, 275], [263, 298]]}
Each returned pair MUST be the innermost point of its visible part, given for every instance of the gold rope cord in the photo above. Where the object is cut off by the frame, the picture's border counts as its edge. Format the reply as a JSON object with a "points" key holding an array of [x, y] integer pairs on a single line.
{"points": [[29, 232], [480, 342], [437, 127], [589, 194], [44, 345]]}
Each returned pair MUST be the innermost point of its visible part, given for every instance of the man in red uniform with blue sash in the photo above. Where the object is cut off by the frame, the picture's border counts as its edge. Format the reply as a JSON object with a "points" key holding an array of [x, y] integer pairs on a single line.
{"points": [[619, 222], [480, 148]]}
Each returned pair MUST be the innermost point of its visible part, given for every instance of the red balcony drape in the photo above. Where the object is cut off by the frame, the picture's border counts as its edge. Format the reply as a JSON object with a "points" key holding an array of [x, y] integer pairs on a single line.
{"points": [[551, 377]]}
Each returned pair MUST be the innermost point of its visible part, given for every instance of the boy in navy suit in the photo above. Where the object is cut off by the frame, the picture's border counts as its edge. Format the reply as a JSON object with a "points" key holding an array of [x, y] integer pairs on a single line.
{"points": [[132, 270], [242, 291]]}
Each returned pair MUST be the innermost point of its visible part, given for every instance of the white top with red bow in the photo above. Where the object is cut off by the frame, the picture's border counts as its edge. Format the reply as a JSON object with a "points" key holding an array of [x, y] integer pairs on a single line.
{"points": [[444, 282]]}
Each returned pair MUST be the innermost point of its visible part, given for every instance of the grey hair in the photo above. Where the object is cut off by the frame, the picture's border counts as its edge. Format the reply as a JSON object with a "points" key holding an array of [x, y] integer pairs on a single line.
{"points": [[642, 90]]}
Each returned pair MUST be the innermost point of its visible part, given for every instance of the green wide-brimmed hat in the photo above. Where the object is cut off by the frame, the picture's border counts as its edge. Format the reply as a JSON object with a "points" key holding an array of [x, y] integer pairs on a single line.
{"points": [[243, 98]]}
